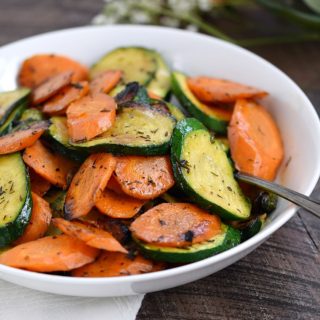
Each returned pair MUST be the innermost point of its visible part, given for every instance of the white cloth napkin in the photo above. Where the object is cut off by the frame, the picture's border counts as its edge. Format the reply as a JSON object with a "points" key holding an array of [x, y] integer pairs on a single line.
{"points": [[21, 303]]}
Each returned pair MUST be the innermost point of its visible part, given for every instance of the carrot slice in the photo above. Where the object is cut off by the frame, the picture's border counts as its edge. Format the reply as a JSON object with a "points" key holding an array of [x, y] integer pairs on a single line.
{"points": [[90, 116], [51, 86], [219, 90], [92, 236], [52, 167], [114, 185], [88, 184], [153, 95], [39, 222], [118, 206], [104, 82], [39, 185], [255, 140], [175, 225], [118, 228], [114, 264], [39, 68], [49, 254], [22, 139], [144, 177], [59, 103]]}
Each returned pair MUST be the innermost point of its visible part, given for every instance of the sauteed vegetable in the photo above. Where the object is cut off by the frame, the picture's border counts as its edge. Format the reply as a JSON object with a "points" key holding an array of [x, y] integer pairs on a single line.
{"points": [[101, 175]]}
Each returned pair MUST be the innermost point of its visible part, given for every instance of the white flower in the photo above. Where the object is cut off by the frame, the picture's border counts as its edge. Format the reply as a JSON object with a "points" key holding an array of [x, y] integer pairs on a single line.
{"points": [[205, 5], [117, 9], [99, 19], [170, 22], [139, 16], [192, 27], [182, 6]]}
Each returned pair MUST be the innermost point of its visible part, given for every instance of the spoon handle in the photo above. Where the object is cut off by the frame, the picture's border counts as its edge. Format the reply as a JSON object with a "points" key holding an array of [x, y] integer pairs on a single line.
{"points": [[288, 194]]}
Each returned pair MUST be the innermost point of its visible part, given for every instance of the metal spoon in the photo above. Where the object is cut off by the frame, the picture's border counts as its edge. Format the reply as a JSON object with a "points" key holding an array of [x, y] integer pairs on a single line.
{"points": [[288, 194]]}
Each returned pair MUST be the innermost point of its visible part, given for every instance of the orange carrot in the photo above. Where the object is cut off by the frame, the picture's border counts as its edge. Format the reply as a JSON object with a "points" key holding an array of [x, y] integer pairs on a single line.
{"points": [[117, 227], [105, 81], [175, 225], [49, 254], [59, 103], [39, 68], [114, 264], [39, 185], [218, 90], [153, 95], [255, 140], [144, 177], [88, 184], [51, 86], [39, 222], [90, 116], [92, 236], [19, 140], [52, 167], [118, 206], [114, 185]]}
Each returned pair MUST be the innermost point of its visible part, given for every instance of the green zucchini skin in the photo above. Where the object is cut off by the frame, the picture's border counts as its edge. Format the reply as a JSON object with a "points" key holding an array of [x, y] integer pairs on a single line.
{"points": [[253, 227], [265, 202], [10, 100], [127, 93], [229, 238], [176, 112], [13, 118], [56, 199], [56, 137], [195, 107], [126, 139], [58, 140], [14, 228], [142, 96], [137, 63], [179, 162], [32, 114]]}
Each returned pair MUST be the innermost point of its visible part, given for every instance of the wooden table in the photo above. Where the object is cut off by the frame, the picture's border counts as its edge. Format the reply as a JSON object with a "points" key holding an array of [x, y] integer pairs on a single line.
{"points": [[279, 280]]}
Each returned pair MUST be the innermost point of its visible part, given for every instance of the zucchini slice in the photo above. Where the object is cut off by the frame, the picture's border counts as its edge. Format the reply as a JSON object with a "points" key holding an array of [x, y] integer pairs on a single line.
{"points": [[203, 171], [56, 199], [214, 118], [137, 64], [32, 114], [228, 239], [11, 100], [224, 143], [58, 140], [15, 198], [11, 121], [252, 227], [138, 130], [160, 84], [265, 202], [175, 111]]}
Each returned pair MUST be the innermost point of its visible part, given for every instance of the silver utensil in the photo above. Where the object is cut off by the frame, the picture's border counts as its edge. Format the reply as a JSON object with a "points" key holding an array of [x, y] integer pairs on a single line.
{"points": [[283, 192]]}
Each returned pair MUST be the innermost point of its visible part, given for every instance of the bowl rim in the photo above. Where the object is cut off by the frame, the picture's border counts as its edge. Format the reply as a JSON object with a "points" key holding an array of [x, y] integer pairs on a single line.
{"points": [[253, 242]]}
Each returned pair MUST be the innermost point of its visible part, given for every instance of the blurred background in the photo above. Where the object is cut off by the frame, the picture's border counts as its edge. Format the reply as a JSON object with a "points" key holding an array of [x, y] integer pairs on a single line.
{"points": [[283, 31]]}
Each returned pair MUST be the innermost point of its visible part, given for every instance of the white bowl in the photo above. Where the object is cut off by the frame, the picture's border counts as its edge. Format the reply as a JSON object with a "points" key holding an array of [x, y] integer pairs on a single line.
{"points": [[194, 54]]}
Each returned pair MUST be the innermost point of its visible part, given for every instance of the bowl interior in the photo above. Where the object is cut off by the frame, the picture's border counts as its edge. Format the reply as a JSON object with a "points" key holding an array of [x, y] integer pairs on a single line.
{"points": [[199, 55]]}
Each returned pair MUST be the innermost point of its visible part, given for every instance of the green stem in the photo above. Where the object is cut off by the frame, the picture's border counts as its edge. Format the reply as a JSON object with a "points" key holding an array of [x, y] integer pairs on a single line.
{"points": [[303, 18], [209, 29], [278, 40]]}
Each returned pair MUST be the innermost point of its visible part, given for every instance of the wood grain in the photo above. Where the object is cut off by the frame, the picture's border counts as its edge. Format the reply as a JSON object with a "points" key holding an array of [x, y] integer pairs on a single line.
{"points": [[279, 280]]}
